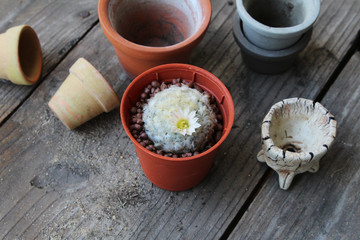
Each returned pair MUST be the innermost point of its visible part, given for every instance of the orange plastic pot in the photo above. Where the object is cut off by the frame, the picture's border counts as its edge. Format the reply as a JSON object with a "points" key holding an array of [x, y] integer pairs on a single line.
{"points": [[177, 174], [149, 33]]}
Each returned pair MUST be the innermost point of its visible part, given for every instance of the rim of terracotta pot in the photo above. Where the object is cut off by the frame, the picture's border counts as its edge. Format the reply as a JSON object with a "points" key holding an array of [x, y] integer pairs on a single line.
{"points": [[296, 156], [117, 38], [280, 31], [195, 70]]}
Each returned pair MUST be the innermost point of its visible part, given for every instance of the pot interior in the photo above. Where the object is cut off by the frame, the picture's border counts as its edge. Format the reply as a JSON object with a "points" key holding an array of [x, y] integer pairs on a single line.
{"points": [[297, 127], [166, 73], [155, 23], [29, 51], [277, 13]]}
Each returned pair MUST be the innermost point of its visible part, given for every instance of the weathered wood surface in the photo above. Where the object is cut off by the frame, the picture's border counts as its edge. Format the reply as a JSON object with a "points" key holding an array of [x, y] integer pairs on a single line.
{"points": [[59, 25], [87, 183], [325, 205]]}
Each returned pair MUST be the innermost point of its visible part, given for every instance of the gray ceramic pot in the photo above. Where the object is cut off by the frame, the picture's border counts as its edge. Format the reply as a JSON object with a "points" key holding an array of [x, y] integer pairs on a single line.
{"points": [[267, 61], [277, 24]]}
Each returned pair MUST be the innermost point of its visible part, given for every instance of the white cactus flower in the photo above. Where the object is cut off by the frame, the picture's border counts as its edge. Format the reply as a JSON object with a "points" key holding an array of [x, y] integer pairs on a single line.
{"points": [[184, 122]]}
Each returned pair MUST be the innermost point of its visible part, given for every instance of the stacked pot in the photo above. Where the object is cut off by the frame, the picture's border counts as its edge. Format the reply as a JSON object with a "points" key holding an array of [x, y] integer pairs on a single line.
{"points": [[271, 33]]}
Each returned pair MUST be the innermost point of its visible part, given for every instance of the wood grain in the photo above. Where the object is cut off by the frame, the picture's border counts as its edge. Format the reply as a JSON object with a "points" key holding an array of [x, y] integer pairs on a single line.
{"points": [[324, 204], [89, 182], [59, 25]]}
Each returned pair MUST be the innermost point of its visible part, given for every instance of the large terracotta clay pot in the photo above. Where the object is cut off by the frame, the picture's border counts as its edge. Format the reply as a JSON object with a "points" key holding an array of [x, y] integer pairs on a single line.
{"points": [[83, 95], [177, 174], [20, 55], [149, 33]]}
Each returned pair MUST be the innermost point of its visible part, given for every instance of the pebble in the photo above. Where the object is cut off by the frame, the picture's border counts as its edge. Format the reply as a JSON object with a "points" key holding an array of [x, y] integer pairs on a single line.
{"points": [[198, 88], [218, 135], [163, 86], [143, 135], [137, 124], [133, 110], [190, 84], [144, 95], [155, 84]]}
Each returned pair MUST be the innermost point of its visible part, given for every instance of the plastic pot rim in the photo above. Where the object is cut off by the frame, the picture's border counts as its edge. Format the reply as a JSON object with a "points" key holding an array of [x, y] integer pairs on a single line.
{"points": [[177, 66]]}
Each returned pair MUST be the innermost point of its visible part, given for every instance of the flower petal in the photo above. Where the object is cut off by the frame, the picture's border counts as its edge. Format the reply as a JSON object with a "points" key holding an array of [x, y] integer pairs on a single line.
{"points": [[184, 115]]}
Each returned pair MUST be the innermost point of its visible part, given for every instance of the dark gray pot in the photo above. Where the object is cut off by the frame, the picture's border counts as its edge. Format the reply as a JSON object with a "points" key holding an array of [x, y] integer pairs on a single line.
{"points": [[267, 61]]}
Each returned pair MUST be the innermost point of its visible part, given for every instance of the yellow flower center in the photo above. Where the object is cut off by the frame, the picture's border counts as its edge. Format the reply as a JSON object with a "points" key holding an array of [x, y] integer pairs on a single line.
{"points": [[182, 124]]}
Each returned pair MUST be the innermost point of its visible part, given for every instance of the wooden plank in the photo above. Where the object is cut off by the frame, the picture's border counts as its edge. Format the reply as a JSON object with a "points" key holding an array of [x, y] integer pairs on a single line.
{"points": [[67, 171], [323, 205], [106, 194], [59, 25], [221, 10], [8, 9]]}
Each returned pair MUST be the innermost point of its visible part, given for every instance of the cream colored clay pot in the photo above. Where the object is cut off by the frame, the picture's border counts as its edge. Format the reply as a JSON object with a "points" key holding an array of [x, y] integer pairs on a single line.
{"points": [[83, 95], [20, 54], [296, 133]]}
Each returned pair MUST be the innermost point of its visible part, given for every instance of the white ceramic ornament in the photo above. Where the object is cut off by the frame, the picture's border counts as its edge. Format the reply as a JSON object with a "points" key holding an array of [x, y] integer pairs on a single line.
{"points": [[296, 133]]}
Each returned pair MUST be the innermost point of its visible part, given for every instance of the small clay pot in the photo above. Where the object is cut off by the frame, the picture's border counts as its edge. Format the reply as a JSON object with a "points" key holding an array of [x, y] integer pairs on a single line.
{"points": [[296, 133], [277, 24], [20, 54], [177, 174], [83, 95], [149, 33], [267, 61]]}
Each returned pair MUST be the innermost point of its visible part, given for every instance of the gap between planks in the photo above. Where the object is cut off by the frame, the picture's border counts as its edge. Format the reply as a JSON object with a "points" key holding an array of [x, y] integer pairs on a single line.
{"points": [[355, 46], [49, 72]]}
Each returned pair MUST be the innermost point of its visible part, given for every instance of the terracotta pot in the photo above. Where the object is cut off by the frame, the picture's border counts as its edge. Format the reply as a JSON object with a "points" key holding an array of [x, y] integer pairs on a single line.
{"points": [[296, 134], [20, 54], [83, 95], [267, 61], [177, 174], [277, 24], [149, 33]]}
